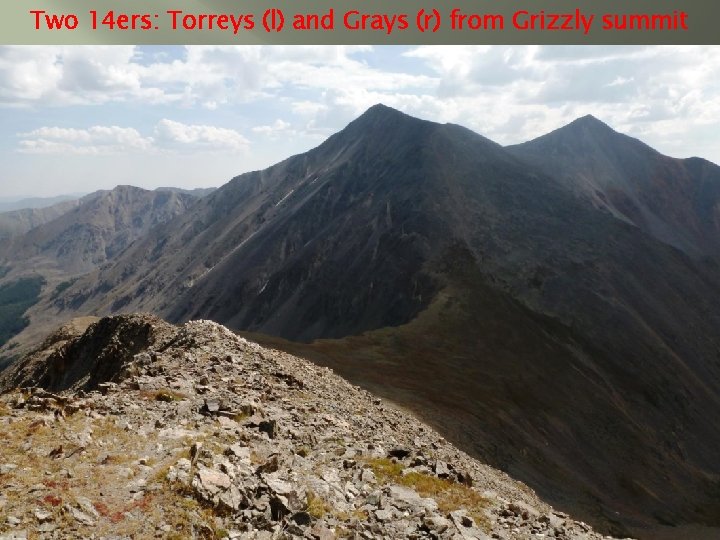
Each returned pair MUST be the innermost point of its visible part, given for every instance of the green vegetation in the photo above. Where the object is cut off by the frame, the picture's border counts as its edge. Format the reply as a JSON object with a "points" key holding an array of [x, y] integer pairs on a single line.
{"points": [[316, 506], [62, 287], [15, 299], [449, 495], [5, 361], [168, 396], [386, 470]]}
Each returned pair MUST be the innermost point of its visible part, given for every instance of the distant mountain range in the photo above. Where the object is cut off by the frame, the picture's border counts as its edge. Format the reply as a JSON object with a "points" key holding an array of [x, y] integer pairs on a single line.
{"points": [[551, 307], [42, 251], [96, 228], [17, 217], [18, 222], [9, 204]]}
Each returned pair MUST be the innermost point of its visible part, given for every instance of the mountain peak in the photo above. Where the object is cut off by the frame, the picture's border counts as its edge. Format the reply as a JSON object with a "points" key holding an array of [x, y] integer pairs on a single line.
{"points": [[588, 122], [127, 188], [589, 118], [380, 109], [383, 116], [379, 123], [580, 135]]}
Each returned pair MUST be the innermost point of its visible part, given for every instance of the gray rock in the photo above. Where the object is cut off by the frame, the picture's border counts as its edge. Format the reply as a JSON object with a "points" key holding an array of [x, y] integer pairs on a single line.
{"points": [[231, 499], [441, 469], [87, 506], [436, 523], [368, 476], [281, 487], [7, 468], [270, 466], [47, 527], [195, 451], [331, 476], [411, 500], [43, 515], [374, 499], [80, 516], [321, 532], [524, 510], [15, 535], [209, 483], [552, 520], [212, 406], [466, 526]]}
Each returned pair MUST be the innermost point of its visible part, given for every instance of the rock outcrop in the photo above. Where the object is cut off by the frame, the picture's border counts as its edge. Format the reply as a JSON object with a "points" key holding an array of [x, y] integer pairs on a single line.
{"points": [[156, 431]]}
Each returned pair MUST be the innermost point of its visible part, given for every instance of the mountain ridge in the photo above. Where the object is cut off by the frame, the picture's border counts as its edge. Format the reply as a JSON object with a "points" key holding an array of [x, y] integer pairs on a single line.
{"points": [[487, 286], [193, 431], [96, 229], [18, 222], [665, 197]]}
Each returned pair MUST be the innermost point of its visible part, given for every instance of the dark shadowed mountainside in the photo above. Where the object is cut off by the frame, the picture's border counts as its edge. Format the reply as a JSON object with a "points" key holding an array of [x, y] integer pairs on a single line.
{"points": [[675, 200], [519, 307]]}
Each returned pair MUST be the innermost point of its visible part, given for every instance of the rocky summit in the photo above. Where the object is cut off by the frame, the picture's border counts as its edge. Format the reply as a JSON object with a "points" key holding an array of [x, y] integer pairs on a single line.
{"points": [[135, 428]]}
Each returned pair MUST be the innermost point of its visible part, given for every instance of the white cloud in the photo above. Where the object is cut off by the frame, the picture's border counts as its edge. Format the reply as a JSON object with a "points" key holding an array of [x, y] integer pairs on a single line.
{"points": [[286, 99], [278, 127], [70, 75], [27, 73], [209, 76], [171, 134], [511, 94], [94, 140], [168, 136]]}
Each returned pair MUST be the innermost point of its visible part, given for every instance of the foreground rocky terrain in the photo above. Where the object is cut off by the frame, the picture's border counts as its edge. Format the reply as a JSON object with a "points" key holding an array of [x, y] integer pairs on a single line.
{"points": [[549, 308], [134, 428]]}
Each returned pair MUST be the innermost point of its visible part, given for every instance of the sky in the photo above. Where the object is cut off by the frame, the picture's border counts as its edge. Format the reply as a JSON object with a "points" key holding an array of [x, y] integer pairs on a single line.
{"points": [[78, 119]]}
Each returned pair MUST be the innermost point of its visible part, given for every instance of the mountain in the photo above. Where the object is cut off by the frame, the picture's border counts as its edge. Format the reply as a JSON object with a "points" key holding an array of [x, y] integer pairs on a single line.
{"points": [[339, 240], [120, 432], [96, 230], [18, 222], [542, 332], [197, 192], [9, 204], [53, 246], [675, 200]]}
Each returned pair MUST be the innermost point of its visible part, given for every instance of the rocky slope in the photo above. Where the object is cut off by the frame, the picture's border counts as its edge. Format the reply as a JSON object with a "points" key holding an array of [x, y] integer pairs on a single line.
{"points": [[60, 243], [552, 336], [139, 429]]}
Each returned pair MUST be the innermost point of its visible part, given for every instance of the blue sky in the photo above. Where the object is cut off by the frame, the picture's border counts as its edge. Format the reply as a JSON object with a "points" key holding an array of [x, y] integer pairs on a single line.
{"points": [[77, 119]]}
